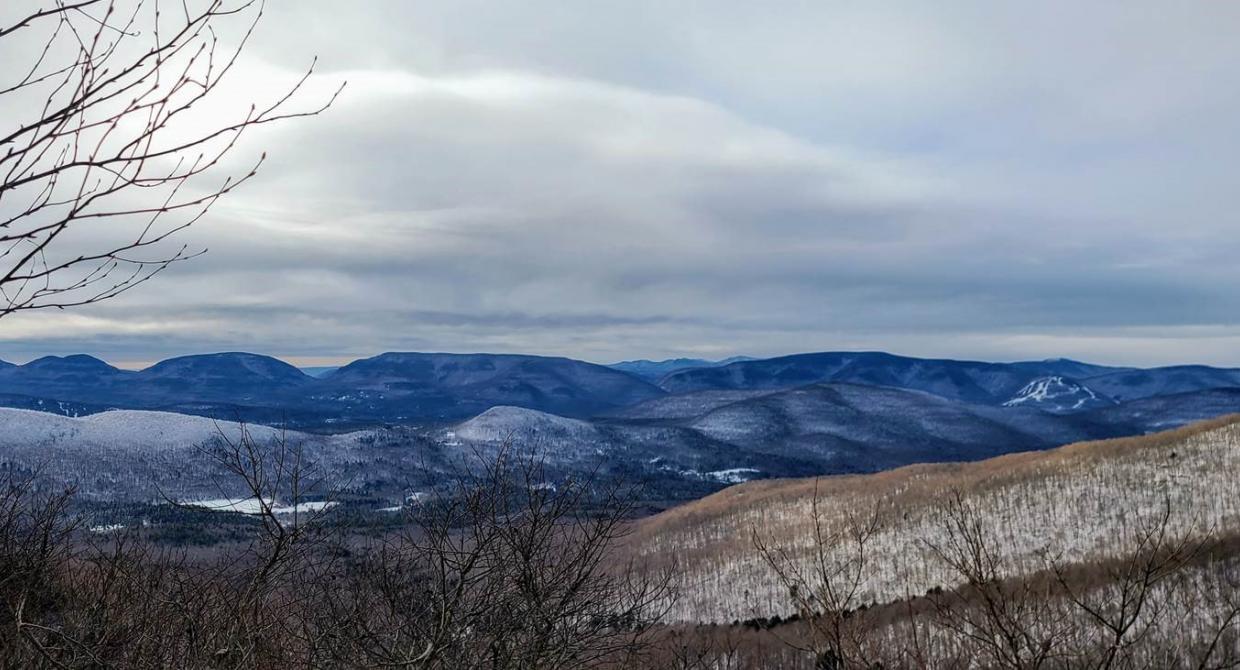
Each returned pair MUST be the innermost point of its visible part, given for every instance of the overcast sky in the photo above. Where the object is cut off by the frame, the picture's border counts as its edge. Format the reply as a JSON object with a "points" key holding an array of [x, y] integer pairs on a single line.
{"points": [[652, 179]]}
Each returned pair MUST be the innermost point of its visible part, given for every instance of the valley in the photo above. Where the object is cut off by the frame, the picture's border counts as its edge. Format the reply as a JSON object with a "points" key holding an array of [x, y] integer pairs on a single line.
{"points": [[387, 429], [728, 457], [745, 483]]}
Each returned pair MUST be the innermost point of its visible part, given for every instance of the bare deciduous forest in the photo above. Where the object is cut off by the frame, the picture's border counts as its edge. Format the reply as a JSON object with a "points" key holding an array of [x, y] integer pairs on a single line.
{"points": [[510, 570], [1115, 554]]}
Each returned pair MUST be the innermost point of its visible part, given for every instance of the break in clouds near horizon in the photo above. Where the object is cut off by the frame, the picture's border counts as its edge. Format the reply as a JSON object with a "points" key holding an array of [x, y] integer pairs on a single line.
{"points": [[653, 179]]}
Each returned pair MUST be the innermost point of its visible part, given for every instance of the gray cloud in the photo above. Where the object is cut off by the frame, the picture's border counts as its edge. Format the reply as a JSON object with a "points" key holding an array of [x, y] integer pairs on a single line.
{"points": [[609, 180]]}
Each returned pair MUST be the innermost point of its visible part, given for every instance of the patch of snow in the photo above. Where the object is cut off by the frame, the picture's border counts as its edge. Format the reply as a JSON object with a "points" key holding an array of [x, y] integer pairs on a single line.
{"points": [[728, 476], [303, 508], [255, 506], [733, 476], [128, 429], [239, 505]]}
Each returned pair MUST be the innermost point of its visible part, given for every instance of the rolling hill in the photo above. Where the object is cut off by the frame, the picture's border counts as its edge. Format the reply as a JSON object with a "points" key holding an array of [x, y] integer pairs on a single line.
{"points": [[464, 384], [134, 431], [134, 455], [1080, 500], [969, 381], [821, 429], [851, 427], [680, 453], [384, 388], [524, 426], [238, 378], [1136, 384], [655, 370]]}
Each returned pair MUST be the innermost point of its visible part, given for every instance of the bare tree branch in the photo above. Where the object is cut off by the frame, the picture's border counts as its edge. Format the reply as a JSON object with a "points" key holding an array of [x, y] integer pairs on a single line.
{"points": [[112, 163]]}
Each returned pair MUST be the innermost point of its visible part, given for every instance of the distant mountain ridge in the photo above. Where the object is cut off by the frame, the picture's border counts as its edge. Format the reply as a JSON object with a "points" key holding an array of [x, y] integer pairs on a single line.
{"points": [[969, 381], [464, 384], [412, 387], [447, 406], [656, 370], [1135, 384], [396, 386]]}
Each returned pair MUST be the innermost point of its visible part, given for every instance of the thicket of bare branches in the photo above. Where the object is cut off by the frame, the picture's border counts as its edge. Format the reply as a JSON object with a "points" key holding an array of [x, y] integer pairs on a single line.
{"points": [[108, 147], [827, 592], [509, 569], [1172, 600], [506, 570]]}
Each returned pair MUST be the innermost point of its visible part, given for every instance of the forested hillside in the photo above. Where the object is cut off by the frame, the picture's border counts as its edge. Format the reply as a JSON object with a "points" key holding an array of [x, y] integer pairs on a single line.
{"points": [[1081, 503]]}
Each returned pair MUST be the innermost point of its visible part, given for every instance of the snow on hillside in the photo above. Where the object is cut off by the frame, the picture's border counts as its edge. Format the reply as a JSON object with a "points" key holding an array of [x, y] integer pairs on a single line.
{"points": [[120, 429], [517, 424], [136, 455], [1082, 502], [255, 506], [734, 475], [685, 405]]}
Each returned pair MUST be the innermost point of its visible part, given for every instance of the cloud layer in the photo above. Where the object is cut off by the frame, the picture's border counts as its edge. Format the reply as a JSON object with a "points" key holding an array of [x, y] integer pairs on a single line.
{"points": [[610, 180]]}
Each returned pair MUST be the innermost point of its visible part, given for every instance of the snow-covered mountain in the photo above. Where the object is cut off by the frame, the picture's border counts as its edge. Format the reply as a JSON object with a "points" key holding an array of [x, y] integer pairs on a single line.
{"points": [[524, 426], [672, 443], [134, 455], [1058, 394], [132, 430]]}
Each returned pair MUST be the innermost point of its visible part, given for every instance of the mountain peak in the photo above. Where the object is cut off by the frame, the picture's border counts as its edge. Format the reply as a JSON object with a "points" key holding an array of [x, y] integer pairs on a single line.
{"points": [[72, 362], [235, 364], [503, 423]]}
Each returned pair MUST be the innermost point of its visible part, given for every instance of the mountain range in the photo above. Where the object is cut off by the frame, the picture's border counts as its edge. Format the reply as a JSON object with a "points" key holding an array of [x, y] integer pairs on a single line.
{"points": [[680, 447], [690, 432], [440, 387], [969, 381], [656, 370], [391, 387]]}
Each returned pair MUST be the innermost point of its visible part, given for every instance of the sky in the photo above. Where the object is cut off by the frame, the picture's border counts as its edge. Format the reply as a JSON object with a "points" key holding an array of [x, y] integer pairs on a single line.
{"points": [[649, 179]]}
